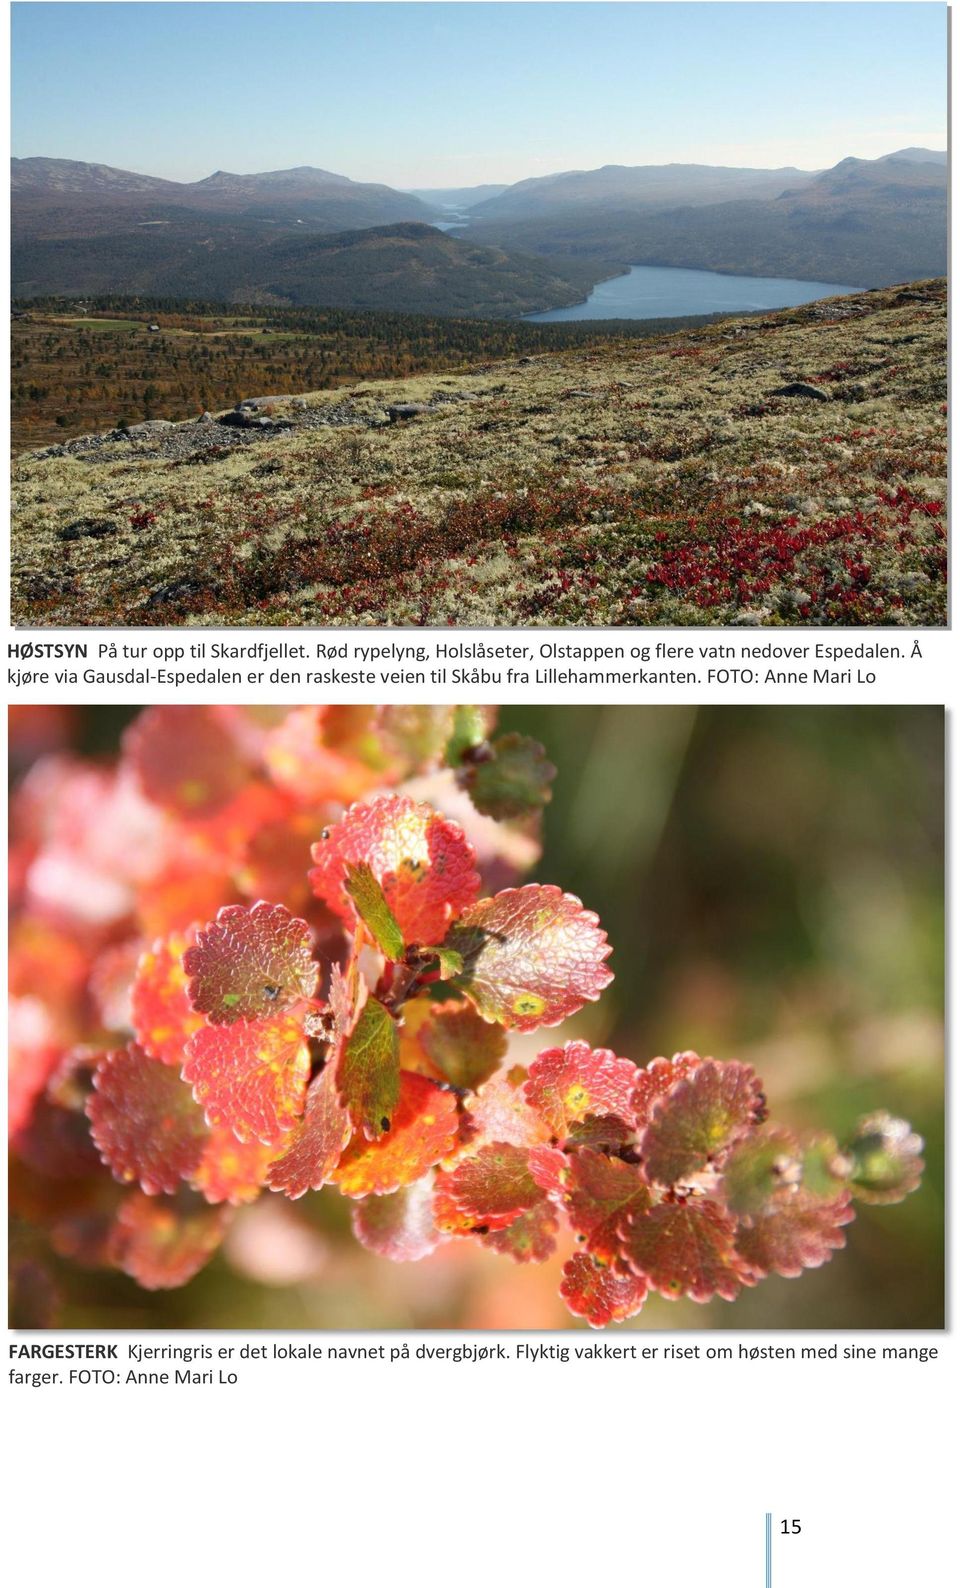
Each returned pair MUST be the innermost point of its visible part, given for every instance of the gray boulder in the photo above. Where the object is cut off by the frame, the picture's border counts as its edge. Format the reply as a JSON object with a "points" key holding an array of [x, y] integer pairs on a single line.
{"points": [[399, 411], [255, 403], [245, 419], [148, 427], [801, 388], [88, 529]]}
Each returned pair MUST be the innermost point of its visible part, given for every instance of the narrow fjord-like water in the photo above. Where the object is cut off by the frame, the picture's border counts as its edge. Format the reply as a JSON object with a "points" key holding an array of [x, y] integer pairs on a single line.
{"points": [[654, 292]]}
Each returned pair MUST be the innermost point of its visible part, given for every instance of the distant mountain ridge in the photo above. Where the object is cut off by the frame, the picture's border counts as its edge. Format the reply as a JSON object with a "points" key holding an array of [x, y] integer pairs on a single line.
{"points": [[71, 198], [862, 222], [82, 228], [637, 184], [39, 174], [921, 156]]}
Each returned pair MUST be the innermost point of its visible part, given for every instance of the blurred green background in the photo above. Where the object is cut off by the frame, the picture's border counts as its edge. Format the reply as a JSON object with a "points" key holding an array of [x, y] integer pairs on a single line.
{"points": [[772, 880]]}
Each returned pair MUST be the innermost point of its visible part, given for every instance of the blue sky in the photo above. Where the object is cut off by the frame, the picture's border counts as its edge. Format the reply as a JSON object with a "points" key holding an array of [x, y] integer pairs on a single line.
{"points": [[420, 95]]}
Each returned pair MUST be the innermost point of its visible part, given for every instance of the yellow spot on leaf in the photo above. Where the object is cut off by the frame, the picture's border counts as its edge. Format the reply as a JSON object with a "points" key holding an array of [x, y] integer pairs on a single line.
{"points": [[577, 1100]]}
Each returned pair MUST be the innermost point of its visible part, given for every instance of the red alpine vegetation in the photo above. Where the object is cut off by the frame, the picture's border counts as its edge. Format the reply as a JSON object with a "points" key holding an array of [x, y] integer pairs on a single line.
{"points": [[361, 1048]]}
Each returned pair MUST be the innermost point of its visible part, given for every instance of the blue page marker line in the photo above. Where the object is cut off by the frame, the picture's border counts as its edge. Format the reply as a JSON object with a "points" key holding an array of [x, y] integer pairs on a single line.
{"points": [[768, 1531]]}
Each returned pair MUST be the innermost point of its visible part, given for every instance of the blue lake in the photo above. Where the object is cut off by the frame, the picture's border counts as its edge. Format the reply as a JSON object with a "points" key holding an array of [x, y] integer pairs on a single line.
{"points": [[654, 292]]}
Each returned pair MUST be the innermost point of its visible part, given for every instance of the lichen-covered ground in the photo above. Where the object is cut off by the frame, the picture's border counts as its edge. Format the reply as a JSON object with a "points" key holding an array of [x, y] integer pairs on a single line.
{"points": [[654, 482]]}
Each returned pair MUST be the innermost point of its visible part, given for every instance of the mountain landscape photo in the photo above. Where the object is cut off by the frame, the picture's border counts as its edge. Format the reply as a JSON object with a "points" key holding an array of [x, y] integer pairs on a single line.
{"points": [[660, 389]]}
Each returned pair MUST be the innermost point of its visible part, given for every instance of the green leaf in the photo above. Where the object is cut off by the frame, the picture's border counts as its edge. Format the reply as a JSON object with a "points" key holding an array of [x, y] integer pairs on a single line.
{"points": [[886, 1158], [369, 1075], [469, 729], [761, 1171], [826, 1170], [512, 781], [373, 910], [451, 963]]}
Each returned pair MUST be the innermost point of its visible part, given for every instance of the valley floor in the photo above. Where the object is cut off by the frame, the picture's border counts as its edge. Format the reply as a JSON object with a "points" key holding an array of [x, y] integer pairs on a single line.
{"points": [[670, 481]]}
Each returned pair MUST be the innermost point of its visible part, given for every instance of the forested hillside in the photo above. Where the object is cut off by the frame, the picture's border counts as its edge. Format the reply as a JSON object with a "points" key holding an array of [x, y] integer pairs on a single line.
{"points": [[76, 372]]}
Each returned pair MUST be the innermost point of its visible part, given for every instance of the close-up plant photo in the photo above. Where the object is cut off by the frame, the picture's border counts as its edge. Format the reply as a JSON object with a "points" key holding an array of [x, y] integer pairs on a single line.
{"points": [[357, 1017]]}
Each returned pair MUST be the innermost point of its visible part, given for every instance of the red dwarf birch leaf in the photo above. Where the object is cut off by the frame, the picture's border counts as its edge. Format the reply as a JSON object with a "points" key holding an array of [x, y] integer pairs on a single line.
{"points": [[511, 779], [223, 838], [699, 1118], [598, 1294], [162, 1242], [186, 759], [566, 1084], [276, 858], [532, 956], [162, 1015], [465, 1049], [495, 1184], [368, 1075], [549, 1167], [886, 1159], [448, 1216], [760, 1171], [500, 1112], [417, 1012], [423, 863], [144, 1122], [803, 1233], [250, 964], [373, 910], [423, 1131], [313, 753], [399, 1226], [530, 1238], [230, 1170], [600, 1130], [314, 1147], [251, 1076], [656, 1079], [598, 1193], [684, 1249]]}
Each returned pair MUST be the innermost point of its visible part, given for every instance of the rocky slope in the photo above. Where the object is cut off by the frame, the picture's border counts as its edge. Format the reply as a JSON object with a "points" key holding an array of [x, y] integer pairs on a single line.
{"points": [[783, 469]]}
